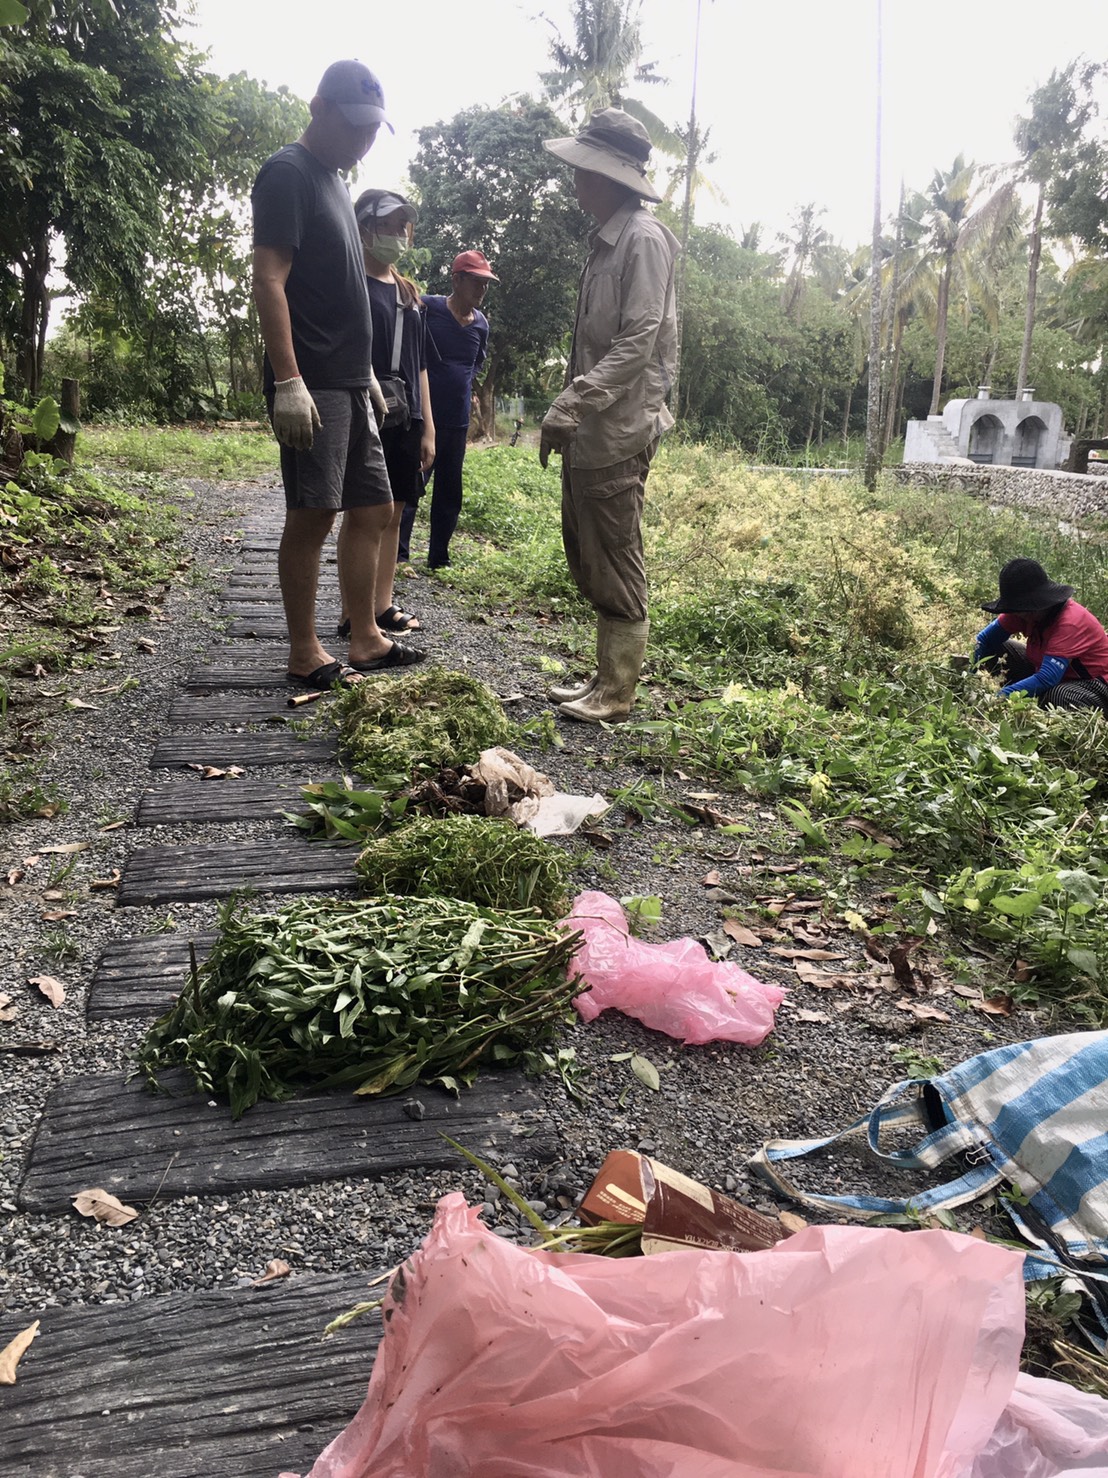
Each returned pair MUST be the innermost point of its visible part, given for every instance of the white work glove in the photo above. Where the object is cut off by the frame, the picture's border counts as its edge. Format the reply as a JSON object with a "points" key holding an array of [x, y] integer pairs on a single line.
{"points": [[295, 418], [377, 400], [555, 433]]}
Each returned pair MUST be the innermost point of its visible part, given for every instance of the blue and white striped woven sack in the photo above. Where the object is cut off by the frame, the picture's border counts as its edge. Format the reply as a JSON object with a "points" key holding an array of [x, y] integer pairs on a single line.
{"points": [[1033, 1115]]}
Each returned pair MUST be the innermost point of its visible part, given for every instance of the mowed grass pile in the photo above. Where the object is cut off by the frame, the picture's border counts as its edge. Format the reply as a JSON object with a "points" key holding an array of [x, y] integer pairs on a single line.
{"points": [[801, 635]]}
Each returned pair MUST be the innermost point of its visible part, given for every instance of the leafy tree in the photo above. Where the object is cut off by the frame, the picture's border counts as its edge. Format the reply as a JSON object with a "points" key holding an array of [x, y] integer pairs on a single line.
{"points": [[103, 114], [485, 181], [594, 67], [1060, 111], [965, 234]]}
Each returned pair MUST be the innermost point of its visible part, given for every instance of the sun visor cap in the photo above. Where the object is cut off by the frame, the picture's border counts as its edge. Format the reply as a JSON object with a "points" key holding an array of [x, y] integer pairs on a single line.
{"points": [[355, 91]]}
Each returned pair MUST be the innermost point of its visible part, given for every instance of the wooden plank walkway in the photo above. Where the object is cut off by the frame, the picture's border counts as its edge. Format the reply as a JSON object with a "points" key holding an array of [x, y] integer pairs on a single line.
{"points": [[97, 1130], [205, 1385], [192, 709], [180, 874], [143, 977], [203, 802], [178, 751]]}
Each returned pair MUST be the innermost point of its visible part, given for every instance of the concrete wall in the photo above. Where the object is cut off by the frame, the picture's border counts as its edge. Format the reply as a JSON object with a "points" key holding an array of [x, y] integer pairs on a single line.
{"points": [[1068, 495]]}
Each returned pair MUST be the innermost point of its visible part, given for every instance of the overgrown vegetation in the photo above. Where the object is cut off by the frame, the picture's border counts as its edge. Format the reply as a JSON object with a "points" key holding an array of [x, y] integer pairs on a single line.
{"points": [[373, 995], [801, 634], [475, 857]]}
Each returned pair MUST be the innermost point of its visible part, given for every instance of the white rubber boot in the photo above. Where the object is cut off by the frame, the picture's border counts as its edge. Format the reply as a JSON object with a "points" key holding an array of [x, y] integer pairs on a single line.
{"points": [[570, 693], [620, 664]]}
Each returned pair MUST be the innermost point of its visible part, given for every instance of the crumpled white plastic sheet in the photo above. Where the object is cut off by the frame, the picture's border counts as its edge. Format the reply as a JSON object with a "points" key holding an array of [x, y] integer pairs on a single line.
{"points": [[546, 811], [843, 1352], [672, 987]]}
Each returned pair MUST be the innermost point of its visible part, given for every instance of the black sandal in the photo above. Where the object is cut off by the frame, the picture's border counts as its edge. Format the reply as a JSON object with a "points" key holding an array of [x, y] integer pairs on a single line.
{"points": [[394, 620]]}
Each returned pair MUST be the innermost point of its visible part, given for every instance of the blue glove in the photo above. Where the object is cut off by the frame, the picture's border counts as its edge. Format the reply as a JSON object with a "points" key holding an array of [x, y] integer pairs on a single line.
{"points": [[1051, 673], [989, 641]]}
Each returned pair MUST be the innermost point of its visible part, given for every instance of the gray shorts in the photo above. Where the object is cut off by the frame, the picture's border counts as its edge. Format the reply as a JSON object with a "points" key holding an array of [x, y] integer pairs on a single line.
{"points": [[345, 466]]}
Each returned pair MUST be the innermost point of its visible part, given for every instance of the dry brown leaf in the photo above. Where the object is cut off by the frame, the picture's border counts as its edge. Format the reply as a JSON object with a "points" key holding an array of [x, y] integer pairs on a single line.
{"points": [[8, 1010], [52, 989], [104, 1207], [33, 860], [15, 875], [741, 934], [56, 915], [808, 954], [710, 880], [275, 1269], [875, 834], [143, 645], [113, 826], [819, 1016], [80, 703], [803, 905], [53, 895], [922, 1012], [996, 1006], [11, 1354], [791, 1222], [903, 973], [821, 979], [978, 1232], [65, 847], [967, 992], [103, 883]]}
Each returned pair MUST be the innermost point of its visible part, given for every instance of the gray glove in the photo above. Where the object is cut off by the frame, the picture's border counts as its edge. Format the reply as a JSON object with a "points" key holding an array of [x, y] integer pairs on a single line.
{"points": [[556, 432], [295, 418]]}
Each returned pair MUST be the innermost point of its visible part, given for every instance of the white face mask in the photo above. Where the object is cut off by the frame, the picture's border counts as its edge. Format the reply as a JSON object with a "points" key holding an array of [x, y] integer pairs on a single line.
{"points": [[387, 249]]}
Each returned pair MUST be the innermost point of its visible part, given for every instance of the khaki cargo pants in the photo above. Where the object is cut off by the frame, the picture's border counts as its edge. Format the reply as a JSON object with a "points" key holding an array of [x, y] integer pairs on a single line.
{"points": [[602, 534]]}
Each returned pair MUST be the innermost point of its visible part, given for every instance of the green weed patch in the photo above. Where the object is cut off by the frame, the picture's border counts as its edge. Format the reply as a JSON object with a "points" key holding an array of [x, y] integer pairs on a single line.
{"points": [[473, 857], [419, 722], [373, 995]]}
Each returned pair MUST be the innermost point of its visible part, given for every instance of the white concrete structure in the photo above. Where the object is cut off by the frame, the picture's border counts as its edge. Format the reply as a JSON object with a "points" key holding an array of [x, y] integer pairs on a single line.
{"points": [[1008, 433]]}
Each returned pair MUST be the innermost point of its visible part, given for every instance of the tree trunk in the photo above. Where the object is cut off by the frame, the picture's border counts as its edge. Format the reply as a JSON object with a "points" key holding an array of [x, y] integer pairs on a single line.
{"points": [[873, 394], [34, 314], [65, 443], [894, 383], [846, 414], [941, 310], [1033, 257]]}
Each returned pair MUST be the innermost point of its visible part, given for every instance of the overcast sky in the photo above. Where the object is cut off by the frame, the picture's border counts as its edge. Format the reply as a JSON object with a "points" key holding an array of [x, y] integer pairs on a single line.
{"points": [[786, 86]]}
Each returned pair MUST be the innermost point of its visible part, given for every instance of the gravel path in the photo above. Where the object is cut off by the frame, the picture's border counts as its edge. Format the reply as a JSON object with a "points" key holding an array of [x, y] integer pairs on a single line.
{"points": [[715, 1106]]}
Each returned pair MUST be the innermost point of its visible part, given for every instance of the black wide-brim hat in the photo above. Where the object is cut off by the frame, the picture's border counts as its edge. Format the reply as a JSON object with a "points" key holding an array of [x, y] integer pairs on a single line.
{"points": [[1026, 586]]}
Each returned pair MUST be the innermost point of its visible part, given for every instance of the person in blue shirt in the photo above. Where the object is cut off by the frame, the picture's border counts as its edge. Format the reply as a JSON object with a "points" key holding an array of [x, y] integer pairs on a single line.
{"points": [[457, 342]]}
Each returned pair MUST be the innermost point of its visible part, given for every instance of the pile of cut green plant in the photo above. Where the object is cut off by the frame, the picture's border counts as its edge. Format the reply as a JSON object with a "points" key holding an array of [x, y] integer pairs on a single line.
{"points": [[373, 995], [417, 723], [478, 858]]}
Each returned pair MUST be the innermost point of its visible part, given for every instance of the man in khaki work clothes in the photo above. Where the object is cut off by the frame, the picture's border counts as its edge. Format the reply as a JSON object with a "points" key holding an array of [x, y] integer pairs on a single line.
{"points": [[607, 421]]}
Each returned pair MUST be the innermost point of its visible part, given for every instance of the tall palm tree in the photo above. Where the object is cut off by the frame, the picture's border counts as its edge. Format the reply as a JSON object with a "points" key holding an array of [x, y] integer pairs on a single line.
{"points": [[965, 233], [594, 67]]}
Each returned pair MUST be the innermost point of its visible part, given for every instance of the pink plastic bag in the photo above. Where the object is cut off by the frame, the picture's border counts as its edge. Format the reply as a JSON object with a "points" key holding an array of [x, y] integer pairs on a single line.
{"points": [[843, 1352], [673, 988]]}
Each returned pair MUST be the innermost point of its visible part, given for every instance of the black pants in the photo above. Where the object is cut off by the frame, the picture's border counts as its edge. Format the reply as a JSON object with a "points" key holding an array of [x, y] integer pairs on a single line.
{"points": [[446, 493]]}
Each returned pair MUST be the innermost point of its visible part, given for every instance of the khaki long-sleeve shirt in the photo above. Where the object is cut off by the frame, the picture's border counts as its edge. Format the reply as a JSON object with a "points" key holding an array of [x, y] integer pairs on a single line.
{"points": [[624, 341]]}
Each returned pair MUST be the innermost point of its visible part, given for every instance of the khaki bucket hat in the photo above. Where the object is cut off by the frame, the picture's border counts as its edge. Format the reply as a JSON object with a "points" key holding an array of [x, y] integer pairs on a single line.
{"points": [[612, 144]]}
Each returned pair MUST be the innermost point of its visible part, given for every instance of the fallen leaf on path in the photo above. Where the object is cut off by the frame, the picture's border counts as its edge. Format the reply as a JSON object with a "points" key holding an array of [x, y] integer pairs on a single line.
{"points": [[102, 1206], [996, 1006], [710, 880], [808, 954], [855, 922], [11, 1355], [277, 1268], [821, 979], [903, 973], [8, 1010], [66, 847], [52, 989], [741, 934], [819, 1016], [922, 1012], [104, 883], [80, 703], [718, 944], [56, 915], [53, 895], [803, 905], [15, 875], [867, 828], [113, 826], [646, 1072], [33, 860], [145, 646]]}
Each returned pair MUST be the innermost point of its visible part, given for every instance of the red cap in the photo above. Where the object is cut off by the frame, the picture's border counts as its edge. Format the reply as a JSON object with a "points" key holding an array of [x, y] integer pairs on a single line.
{"points": [[474, 262]]}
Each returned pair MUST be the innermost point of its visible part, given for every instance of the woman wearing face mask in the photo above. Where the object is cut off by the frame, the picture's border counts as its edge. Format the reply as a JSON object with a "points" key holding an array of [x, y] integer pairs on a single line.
{"points": [[408, 433]]}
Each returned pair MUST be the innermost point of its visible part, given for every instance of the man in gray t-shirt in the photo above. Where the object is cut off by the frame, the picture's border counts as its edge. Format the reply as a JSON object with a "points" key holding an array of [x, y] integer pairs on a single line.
{"points": [[309, 287]]}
